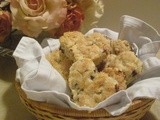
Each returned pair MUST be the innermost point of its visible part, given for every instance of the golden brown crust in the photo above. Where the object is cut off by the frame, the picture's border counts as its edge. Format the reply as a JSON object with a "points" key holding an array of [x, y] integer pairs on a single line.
{"points": [[118, 75], [89, 87], [77, 46], [69, 43], [119, 46], [60, 62], [128, 63]]}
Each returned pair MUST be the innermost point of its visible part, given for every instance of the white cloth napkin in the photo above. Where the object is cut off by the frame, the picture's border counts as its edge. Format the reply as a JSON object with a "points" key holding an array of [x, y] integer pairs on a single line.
{"points": [[41, 82]]}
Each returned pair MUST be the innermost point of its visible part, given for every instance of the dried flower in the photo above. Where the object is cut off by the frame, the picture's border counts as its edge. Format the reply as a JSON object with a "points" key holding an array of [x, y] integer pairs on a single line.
{"points": [[74, 18], [5, 25], [34, 16], [93, 10]]}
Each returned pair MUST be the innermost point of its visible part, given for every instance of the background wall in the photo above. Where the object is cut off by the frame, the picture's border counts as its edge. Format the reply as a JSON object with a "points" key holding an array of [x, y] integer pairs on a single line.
{"points": [[147, 10]]}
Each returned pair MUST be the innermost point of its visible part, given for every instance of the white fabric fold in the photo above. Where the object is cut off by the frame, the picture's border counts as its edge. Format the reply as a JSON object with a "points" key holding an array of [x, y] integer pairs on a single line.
{"points": [[107, 32], [137, 31], [41, 82], [35, 72]]}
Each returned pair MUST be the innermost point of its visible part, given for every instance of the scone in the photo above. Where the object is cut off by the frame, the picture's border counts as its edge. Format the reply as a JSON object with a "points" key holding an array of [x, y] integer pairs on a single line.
{"points": [[94, 46], [119, 46], [70, 40], [118, 75], [60, 62], [125, 62], [100, 40], [88, 86]]}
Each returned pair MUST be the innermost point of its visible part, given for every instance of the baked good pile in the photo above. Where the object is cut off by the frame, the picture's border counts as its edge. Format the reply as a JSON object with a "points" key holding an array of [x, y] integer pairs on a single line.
{"points": [[93, 66]]}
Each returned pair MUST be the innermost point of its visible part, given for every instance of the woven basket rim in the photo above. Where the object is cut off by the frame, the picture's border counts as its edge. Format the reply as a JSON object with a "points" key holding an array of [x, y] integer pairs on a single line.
{"points": [[73, 112]]}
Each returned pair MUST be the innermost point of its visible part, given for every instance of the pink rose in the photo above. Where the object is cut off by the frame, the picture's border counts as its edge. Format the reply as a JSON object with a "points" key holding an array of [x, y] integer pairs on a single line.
{"points": [[34, 16], [73, 20], [5, 25]]}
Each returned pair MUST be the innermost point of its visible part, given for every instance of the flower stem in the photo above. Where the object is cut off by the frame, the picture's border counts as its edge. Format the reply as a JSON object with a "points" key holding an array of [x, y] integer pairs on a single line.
{"points": [[5, 52]]}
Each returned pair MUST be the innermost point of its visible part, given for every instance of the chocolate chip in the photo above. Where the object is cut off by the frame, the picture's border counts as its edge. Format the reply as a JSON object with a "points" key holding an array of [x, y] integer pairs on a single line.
{"points": [[92, 77], [81, 90], [101, 66], [61, 50], [134, 73], [100, 92], [116, 87]]}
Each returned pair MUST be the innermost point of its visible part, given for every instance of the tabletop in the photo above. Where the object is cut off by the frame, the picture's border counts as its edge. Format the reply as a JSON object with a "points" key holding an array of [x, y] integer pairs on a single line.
{"points": [[148, 10]]}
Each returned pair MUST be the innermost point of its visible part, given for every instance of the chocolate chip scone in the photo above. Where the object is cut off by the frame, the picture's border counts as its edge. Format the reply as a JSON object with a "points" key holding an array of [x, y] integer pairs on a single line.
{"points": [[94, 66], [118, 75], [119, 46], [60, 62], [127, 63], [94, 46], [88, 86], [101, 41], [69, 41]]}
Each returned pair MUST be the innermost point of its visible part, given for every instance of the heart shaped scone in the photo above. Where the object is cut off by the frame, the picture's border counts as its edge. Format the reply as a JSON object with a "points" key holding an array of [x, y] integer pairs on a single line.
{"points": [[88, 86]]}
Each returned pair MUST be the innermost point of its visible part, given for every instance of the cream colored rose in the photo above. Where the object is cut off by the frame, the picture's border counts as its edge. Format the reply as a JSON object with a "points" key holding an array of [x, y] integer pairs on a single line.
{"points": [[34, 16], [93, 11]]}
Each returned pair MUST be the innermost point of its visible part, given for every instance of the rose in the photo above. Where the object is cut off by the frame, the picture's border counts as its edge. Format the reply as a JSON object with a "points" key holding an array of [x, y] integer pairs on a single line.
{"points": [[94, 10], [34, 16], [5, 25], [73, 20]]}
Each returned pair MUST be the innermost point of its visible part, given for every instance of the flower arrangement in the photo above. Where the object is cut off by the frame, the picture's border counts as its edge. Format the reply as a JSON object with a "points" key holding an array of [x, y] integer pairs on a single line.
{"points": [[51, 17]]}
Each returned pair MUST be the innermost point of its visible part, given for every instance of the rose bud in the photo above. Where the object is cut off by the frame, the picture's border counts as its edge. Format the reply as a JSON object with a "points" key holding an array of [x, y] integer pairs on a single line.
{"points": [[5, 25]]}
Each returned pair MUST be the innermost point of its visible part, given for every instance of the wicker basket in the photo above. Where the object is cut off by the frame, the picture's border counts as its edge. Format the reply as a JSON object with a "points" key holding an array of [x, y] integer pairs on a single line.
{"points": [[45, 111]]}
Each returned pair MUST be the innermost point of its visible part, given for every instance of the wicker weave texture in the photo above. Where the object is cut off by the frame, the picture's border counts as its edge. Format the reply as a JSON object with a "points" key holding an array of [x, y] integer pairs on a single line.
{"points": [[44, 111]]}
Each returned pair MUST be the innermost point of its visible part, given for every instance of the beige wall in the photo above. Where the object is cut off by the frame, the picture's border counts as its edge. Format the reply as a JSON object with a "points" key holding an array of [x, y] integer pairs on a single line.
{"points": [[147, 10]]}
